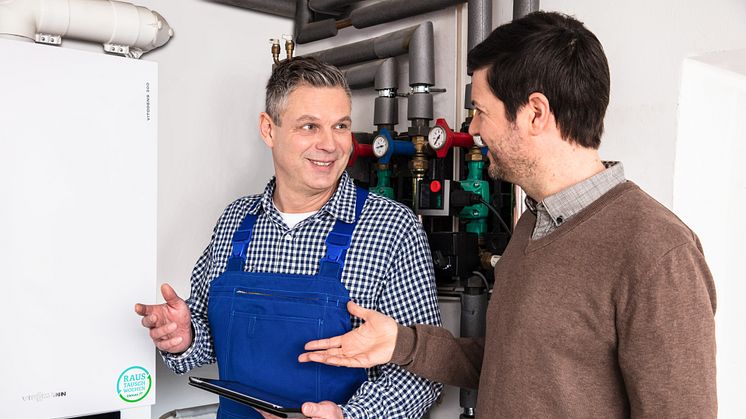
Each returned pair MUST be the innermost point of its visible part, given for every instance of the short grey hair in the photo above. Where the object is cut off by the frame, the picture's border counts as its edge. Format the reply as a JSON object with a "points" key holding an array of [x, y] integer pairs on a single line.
{"points": [[296, 72]]}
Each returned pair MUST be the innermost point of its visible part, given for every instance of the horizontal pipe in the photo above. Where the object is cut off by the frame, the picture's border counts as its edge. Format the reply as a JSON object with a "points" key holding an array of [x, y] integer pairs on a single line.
{"points": [[379, 74], [363, 75], [330, 7], [391, 10], [284, 8], [121, 27], [384, 46]]}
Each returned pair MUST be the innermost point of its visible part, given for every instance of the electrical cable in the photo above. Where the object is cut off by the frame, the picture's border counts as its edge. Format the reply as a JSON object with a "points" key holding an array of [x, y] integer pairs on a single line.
{"points": [[484, 278], [499, 218]]}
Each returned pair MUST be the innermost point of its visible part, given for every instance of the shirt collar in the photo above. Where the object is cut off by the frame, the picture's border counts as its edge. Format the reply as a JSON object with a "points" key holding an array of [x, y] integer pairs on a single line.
{"points": [[569, 201], [340, 206]]}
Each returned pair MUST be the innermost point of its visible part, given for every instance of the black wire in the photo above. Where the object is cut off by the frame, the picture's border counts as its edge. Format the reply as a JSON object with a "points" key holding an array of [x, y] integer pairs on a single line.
{"points": [[499, 218]]}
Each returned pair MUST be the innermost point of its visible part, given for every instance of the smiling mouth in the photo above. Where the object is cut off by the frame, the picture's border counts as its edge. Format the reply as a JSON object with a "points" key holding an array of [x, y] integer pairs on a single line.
{"points": [[321, 163]]}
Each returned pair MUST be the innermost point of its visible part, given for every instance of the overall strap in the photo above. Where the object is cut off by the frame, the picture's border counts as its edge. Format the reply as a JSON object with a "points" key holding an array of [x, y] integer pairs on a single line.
{"points": [[338, 240], [241, 239]]}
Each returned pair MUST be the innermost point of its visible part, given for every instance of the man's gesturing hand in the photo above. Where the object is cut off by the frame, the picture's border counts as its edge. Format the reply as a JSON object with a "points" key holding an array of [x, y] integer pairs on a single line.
{"points": [[170, 323], [370, 344]]}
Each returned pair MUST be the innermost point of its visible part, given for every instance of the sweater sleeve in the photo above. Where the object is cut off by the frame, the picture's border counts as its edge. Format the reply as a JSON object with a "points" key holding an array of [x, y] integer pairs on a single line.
{"points": [[666, 337], [434, 353]]}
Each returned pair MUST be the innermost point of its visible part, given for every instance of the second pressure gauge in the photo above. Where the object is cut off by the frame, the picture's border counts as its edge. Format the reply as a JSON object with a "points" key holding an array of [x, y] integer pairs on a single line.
{"points": [[437, 137]]}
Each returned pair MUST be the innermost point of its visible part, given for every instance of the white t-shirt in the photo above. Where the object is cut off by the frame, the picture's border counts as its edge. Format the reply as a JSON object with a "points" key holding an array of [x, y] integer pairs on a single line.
{"points": [[291, 220]]}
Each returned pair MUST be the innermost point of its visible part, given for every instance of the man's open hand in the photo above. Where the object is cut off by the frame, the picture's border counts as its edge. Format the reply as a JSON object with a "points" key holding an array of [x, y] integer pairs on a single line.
{"points": [[170, 323], [370, 344]]}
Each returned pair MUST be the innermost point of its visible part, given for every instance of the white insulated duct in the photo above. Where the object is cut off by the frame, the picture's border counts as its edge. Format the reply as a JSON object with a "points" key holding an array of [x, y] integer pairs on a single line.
{"points": [[122, 28]]}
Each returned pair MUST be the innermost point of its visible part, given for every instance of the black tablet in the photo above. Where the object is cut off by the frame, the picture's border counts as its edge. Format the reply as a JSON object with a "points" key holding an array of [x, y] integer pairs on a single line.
{"points": [[249, 396]]}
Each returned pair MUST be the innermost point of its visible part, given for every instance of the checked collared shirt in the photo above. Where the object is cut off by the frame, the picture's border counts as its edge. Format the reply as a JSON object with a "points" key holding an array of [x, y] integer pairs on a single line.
{"points": [[388, 268]]}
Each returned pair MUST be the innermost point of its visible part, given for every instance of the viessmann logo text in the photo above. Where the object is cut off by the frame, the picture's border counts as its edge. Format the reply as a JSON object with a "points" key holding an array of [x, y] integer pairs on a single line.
{"points": [[40, 397]]}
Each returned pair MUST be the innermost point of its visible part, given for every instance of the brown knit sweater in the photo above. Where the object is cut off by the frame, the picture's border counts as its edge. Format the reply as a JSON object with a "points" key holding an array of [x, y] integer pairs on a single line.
{"points": [[611, 315]]}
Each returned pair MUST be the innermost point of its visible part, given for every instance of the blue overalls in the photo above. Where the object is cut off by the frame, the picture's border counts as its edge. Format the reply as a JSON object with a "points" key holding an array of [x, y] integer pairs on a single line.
{"points": [[261, 321]]}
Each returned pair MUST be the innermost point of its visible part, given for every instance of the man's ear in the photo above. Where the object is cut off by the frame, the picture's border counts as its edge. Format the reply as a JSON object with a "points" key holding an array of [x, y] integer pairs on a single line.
{"points": [[539, 113], [266, 129]]}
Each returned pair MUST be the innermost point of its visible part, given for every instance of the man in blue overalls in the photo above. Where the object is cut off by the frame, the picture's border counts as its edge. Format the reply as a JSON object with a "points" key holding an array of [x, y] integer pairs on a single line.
{"points": [[281, 266]]}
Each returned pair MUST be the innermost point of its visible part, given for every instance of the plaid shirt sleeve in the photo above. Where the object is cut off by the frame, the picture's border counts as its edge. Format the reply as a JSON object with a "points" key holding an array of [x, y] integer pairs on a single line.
{"points": [[409, 297]]}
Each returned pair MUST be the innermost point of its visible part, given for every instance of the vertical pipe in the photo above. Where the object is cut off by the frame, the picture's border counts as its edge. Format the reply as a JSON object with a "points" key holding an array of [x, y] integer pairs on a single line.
{"points": [[480, 22], [523, 7]]}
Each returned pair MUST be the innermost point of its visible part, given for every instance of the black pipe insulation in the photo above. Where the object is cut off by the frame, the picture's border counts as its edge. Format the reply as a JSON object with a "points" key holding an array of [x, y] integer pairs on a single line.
{"points": [[284, 8], [391, 10]]}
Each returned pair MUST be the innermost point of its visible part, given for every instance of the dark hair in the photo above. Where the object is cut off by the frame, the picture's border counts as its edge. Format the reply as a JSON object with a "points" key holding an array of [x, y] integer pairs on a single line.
{"points": [[295, 72], [553, 54]]}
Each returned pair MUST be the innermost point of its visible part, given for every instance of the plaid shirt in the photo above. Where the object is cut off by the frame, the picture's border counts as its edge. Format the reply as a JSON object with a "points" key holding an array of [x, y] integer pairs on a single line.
{"points": [[554, 210], [388, 268]]}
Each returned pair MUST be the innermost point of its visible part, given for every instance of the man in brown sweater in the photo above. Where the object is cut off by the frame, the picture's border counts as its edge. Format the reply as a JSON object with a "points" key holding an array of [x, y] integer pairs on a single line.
{"points": [[603, 305]]}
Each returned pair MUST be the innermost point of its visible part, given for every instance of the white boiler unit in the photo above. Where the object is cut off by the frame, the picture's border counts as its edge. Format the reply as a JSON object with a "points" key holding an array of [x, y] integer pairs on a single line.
{"points": [[77, 231]]}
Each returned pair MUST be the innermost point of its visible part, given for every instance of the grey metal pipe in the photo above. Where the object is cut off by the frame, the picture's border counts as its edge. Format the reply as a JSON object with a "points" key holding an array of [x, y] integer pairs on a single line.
{"points": [[480, 22], [384, 46], [391, 10], [523, 7], [284, 8]]}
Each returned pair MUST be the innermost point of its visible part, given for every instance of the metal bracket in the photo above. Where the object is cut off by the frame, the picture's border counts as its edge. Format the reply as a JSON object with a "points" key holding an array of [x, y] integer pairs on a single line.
{"points": [[45, 38], [123, 50]]}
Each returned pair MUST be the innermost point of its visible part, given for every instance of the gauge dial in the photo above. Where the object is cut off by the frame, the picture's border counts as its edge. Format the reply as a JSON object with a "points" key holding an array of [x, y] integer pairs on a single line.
{"points": [[380, 146], [478, 141], [437, 137]]}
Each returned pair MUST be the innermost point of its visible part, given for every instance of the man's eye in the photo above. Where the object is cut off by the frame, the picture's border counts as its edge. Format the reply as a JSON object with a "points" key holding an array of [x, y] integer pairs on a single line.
{"points": [[342, 126], [308, 127]]}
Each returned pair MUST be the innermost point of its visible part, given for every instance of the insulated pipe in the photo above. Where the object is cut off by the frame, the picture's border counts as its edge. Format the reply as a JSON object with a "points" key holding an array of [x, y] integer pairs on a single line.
{"points": [[480, 22], [391, 10], [386, 105], [384, 46], [523, 7], [330, 7], [284, 8], [308, 31], [362, 75], [381, 75], [122, 28]]}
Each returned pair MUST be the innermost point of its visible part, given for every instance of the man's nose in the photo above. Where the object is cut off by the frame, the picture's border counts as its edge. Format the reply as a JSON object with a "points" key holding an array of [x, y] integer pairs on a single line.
{"points": [[326, 141]]}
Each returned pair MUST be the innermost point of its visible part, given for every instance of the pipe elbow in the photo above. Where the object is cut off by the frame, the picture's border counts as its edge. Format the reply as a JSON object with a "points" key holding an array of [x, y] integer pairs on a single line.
{"points": [[18, 18]]}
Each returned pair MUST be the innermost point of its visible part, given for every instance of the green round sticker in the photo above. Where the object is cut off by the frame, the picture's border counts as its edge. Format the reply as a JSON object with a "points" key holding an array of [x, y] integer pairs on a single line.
{"points": [[134, 384]]}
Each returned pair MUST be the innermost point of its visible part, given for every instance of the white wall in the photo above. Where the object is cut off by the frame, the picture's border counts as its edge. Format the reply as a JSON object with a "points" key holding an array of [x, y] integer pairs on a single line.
{"points": [[646, 43], [710, 194], [212, 75]]}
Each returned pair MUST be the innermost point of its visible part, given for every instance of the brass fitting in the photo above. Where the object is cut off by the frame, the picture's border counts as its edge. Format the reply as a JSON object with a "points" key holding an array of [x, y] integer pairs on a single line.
{"points": [[289, 46], [419, 163], [275, 50], [488, 260], [475, 154]]}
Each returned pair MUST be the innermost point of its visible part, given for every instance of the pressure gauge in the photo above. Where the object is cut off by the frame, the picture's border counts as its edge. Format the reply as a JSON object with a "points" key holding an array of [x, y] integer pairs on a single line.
{"points": [[478, 141], [437, 137], [380, 146]]}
